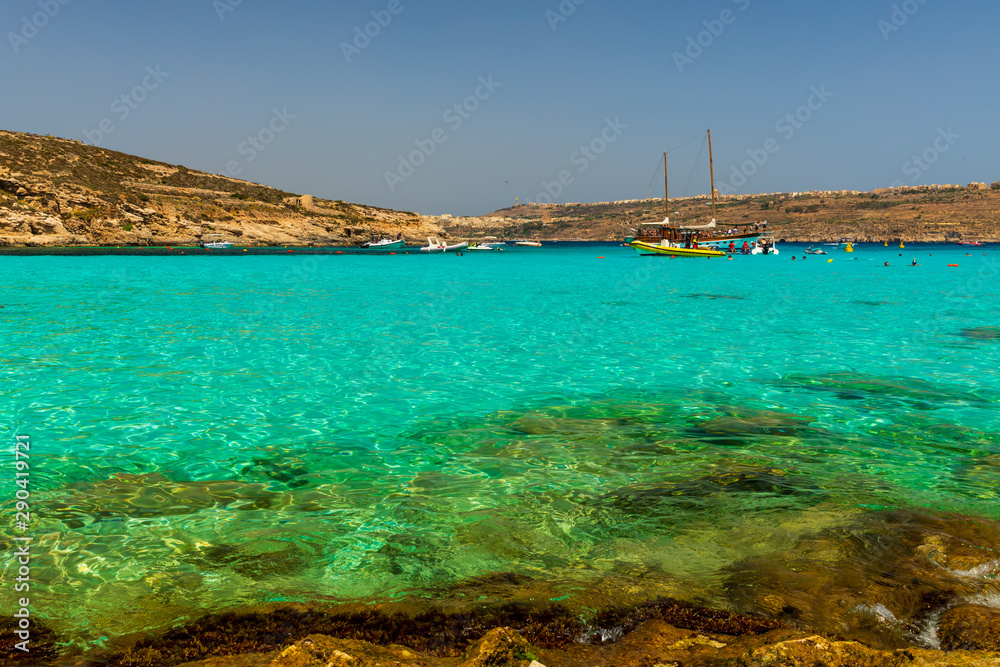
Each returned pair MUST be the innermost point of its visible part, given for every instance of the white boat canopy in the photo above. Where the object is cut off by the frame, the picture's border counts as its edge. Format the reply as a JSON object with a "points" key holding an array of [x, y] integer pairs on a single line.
{"points": [[710, 225]]}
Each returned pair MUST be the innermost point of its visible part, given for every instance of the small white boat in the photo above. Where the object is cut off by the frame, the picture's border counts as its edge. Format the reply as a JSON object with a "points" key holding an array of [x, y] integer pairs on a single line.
{"points": [[434, 245], [533, 244], [815, 251], [765, 245], [487, 246], [214, 245], [385, 244]]}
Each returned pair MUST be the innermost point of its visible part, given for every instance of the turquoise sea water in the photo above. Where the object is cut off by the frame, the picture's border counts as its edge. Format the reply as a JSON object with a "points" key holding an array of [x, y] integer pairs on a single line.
{"points": [[210, 432]]}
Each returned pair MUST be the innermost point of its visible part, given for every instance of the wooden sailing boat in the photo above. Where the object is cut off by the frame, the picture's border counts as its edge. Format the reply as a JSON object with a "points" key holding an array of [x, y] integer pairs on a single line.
{"points": [[665, 239]]}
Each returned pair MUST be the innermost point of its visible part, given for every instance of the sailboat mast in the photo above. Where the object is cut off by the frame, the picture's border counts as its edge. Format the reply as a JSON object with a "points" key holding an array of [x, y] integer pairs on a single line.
{"points": [[666, 188], [711, 171]]}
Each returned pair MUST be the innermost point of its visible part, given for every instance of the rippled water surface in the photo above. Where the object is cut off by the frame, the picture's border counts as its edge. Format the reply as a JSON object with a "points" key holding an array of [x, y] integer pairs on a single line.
{"points": [[209, 432]]}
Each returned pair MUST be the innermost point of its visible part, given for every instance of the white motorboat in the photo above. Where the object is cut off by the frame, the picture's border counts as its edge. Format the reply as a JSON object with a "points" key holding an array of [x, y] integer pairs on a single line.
{"points": [[487, 246], [384, 244], [434, 245], [815, 251], [533, 244], [214, 245], [765, 245]]}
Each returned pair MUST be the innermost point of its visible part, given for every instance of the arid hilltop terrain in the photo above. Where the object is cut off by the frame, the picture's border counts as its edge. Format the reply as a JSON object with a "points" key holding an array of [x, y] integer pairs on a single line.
{"points": [[935, 214], [58, 192]]}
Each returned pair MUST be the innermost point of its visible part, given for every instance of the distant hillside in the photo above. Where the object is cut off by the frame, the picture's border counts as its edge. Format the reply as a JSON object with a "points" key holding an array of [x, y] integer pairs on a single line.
{"points": [[61, 192], [949, 213]]}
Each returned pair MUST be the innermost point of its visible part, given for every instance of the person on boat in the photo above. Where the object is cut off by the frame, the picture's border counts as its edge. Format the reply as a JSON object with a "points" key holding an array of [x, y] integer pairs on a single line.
{"points": [[914, 262], [732, 247], [745, 249]]}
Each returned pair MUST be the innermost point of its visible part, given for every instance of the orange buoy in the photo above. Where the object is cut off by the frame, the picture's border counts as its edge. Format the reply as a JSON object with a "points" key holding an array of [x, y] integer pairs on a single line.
{"points": [[953, 265]]}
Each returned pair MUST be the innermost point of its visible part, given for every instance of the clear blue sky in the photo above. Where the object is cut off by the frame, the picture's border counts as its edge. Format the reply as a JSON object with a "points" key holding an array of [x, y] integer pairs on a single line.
{"points": [[224, 67]]}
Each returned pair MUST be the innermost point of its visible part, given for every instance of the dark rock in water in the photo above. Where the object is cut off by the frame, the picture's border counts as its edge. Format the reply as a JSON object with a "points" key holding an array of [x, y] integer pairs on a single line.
{"points": [[970, 627], [153, 495], [915, 393], [981, 333], [872, 303], [279, 471], [731, 297], [256, 560], [760, 422], [42, 645], [765, 481], [882, 579]]}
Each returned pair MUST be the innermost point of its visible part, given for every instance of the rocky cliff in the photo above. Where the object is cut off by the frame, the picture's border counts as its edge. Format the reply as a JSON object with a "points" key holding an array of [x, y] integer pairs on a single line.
{"points": [[58, 192]]}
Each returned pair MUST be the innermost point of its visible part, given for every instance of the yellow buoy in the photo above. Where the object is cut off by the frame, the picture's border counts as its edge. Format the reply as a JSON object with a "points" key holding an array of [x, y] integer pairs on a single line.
{"points": [[901, 245], [828, 261], [849, 248], [885, 243]]}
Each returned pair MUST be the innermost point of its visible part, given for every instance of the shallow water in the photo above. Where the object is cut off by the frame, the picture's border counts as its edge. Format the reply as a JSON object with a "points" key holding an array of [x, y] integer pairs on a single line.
{"points": [[209, 432]]}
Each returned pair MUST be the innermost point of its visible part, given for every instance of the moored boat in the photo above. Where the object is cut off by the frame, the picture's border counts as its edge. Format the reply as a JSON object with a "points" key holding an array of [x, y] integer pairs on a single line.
{"points": [[487, 247], [385, 244], [434, 245], [666, 248], [707, 235], [214, 245]]}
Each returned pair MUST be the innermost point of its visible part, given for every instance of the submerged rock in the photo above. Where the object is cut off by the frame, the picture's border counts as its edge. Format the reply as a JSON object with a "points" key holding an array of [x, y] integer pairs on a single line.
{"points": [[154, 495], [981, 333], [918, 394], [688, 493], [882, 580], [971, 627]]}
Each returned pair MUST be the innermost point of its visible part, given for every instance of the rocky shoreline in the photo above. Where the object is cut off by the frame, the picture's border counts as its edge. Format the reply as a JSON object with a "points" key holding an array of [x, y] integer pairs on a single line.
{"points": [[889, 588]]}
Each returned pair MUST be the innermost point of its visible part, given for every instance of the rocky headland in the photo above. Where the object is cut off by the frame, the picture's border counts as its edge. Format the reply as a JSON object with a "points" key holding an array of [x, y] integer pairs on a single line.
{"points": [[58, 192]]}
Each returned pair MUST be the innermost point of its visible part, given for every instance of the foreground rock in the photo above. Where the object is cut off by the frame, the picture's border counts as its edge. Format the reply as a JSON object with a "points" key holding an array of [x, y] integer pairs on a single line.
{"points": [[653, 644], [886, 579]]}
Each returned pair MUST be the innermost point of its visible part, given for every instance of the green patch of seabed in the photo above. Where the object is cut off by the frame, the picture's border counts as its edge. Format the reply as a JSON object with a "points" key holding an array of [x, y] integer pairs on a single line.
{"points": [[616, 497]]}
